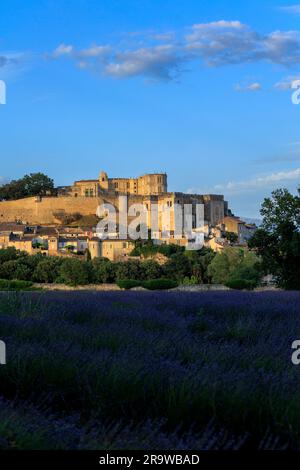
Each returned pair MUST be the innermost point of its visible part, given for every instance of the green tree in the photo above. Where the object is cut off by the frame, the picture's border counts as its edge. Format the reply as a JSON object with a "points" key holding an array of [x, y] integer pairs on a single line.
{"points": [[224, 264], [249, 269], [10, 253], [130, 269], [76, 272], [47, 270], [178, 267], [15, 269], [35, 184], [8, 268], [200, 260], [104, 269], [151, 270], [277, 241], [148, 248], [231, 237], [233, 262]]}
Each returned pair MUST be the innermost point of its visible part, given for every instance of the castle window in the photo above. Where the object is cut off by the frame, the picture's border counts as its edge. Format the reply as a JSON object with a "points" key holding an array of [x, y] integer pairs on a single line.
{"points": [[116, 184], [128, 185]]}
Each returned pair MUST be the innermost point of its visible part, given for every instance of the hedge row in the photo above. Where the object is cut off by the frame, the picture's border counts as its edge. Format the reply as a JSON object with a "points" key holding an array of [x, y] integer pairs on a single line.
{"points": [[151, 284], [15, 284]]}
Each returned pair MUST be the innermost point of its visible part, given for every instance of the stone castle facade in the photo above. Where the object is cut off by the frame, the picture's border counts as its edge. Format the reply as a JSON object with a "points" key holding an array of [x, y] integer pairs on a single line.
{"points": [[145, 185], [146, 189], [84, 196], [83, 199]]}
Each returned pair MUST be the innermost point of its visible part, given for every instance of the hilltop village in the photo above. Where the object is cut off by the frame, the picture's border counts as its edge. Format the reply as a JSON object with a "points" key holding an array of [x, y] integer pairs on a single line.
{"points": [[64, 222]]}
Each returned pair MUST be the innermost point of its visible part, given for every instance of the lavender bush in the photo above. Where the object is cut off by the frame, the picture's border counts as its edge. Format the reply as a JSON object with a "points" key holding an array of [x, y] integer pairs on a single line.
{"points": [[149, 370]]}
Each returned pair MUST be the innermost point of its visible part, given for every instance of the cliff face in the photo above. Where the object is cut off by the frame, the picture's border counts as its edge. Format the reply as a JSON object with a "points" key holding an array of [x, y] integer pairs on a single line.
{"points": [[42, 211]]}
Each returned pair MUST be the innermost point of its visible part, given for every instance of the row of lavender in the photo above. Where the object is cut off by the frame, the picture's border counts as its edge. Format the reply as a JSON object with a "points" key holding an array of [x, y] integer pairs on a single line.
{"points": [[149, 370]]}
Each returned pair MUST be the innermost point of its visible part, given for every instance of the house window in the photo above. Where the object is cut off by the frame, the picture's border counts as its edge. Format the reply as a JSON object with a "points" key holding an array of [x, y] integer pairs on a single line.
{"points": [[124, 245]]}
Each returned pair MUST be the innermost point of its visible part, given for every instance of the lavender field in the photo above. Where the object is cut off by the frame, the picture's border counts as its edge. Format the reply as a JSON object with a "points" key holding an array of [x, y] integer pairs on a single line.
{"points": [[147, 370]]}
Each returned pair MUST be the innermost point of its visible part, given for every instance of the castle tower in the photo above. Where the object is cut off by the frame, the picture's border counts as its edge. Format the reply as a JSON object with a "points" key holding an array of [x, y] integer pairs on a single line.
{"points": [[94, 246], [53, 246], [152, 184], [103, 180]]}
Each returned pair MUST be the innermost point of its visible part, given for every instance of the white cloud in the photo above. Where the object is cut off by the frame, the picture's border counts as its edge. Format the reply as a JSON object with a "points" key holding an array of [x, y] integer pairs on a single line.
{"points": [[254, 185], [222, 43], [288, 153], [62, 50], [286, 83], [3, 61], [12, 64], [295, 144], [255, 86], [202, 30], [7, 60], [260, 181], [163, 36], [155, 62], [217, 44], [95, 51], [294, 9]]}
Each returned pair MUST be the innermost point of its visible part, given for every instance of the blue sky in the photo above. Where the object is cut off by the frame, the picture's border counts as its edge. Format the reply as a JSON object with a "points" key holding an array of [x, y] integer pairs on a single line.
{"points": [[199, 89]]}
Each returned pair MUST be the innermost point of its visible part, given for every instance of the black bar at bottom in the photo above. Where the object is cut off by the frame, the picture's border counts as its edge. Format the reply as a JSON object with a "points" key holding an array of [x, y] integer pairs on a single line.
{"points": [[148, 459]]}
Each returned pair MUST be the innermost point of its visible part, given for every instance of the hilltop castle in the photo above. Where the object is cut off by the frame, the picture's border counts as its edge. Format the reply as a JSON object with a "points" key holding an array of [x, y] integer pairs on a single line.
{"points": [[36, 222], [145, 185], [146, 189]]}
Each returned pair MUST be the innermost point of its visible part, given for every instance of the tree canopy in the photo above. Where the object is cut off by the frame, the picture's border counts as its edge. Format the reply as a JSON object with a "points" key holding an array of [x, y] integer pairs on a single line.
{"points": [[235, 263], [278, 238], [34, 184]]}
